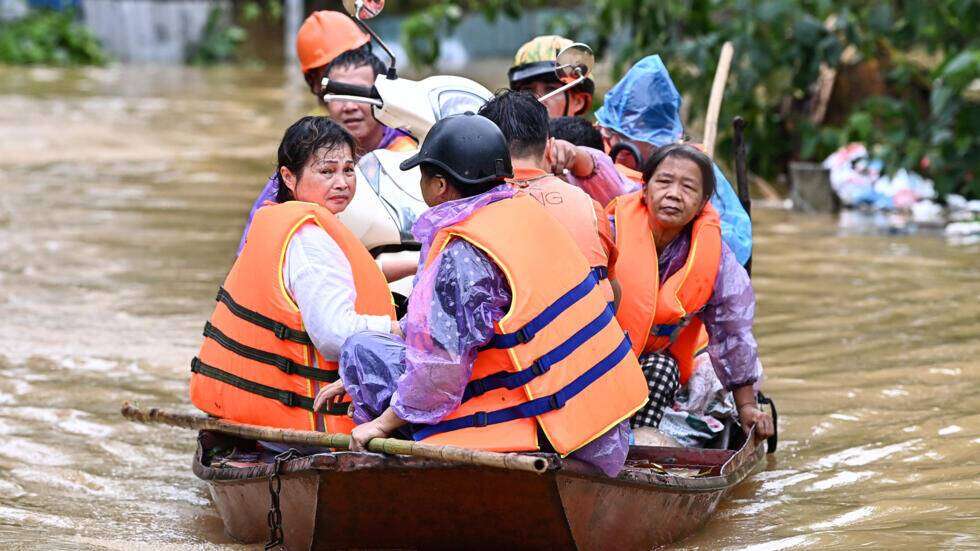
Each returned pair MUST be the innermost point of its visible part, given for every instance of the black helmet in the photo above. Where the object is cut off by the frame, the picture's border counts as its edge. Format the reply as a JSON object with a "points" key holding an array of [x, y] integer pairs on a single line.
{"points": [[470, 148]]}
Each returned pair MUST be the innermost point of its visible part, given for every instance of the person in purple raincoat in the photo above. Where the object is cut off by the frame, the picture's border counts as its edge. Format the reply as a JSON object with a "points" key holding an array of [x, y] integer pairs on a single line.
{"points": [[643, 109], [455, 304], [679, 179]]}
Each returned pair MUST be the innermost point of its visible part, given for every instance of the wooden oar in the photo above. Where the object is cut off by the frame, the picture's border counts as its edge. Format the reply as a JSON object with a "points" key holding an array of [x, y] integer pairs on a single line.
{"points": [[714, 100], [510, 461]]}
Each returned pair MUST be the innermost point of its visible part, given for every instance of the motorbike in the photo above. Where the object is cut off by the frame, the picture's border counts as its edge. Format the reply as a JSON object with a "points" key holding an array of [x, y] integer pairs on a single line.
{"points": [[388, 200]]}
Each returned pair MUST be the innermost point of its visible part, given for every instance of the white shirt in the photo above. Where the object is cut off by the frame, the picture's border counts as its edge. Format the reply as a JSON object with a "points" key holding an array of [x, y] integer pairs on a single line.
{"points": [[319, 278]]}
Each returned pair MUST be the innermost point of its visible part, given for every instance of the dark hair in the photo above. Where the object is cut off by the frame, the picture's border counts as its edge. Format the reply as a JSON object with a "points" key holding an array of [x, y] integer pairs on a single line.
{"points": [[684, 151], [358, 57], [301, 140], [464, 190], [523, 120], [576, 130]]}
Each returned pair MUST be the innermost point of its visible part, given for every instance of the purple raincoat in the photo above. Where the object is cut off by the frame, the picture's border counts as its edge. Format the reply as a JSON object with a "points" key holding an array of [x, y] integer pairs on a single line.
{"points": [[452, 313]]}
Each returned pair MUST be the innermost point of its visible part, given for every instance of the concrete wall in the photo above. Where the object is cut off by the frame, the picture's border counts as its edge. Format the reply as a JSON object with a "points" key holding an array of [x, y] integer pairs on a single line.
{"points": [[149, 30], [12, 9]]}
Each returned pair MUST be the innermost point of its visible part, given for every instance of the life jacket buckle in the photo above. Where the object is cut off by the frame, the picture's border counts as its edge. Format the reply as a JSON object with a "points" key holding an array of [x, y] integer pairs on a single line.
{"points": [[281, 331], [287, 398], [556, 402], [680, 326], [285, 365], [539, 369], [522, 336], [481, 419], [479, 387]]}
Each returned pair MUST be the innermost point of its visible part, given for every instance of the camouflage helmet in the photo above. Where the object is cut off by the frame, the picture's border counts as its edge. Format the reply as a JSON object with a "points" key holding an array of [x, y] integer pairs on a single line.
{"points": [[535, 61]]}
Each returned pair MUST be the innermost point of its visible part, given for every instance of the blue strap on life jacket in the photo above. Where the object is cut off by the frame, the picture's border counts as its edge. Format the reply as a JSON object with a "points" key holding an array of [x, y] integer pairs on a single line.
{"points": [[673, 330], [548, 315], [542, 365], [531, 408]]}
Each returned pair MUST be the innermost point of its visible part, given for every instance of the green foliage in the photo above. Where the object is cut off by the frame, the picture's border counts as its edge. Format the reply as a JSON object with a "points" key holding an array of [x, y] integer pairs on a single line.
{"points": [[253, 10], [925, 117], [220, 41], [49, 38]]}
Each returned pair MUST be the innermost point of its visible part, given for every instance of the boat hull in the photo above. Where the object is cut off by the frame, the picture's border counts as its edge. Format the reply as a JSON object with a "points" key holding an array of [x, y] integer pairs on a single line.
{"points": [[361, 500]]}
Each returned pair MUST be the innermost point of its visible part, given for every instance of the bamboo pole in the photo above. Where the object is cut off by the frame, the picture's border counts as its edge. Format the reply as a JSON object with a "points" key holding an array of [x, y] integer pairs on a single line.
{"points": [[714, 100], [509, 461]]}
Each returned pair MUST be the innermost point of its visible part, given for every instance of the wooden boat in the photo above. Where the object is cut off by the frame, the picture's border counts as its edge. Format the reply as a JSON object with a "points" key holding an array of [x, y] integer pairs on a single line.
{"points": [[369, 501]]}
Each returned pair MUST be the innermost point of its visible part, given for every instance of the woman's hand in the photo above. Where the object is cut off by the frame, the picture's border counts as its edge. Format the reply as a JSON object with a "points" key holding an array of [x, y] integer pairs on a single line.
{"points": [[749, 415], [396, 329], [564, 156], [328, 394]]}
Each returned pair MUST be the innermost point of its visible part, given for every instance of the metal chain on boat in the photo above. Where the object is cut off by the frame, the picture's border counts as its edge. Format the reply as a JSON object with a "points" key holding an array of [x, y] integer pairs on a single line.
{"points": [[275, 486]]}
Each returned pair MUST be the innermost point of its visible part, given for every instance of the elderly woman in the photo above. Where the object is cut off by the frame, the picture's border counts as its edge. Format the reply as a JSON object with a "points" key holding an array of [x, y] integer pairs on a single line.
{"points": [[643, 109], [682, 288], [302, 285]]}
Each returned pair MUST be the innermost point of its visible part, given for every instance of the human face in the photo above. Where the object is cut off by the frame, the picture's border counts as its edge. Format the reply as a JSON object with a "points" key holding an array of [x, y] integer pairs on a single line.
{"points": [[436, 190], [559, 105], [327, 179], [675, 193], [356, 118]]}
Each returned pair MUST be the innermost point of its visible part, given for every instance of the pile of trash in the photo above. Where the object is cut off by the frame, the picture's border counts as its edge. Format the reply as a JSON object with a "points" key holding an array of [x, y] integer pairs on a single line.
{"points": [[901, 201]]}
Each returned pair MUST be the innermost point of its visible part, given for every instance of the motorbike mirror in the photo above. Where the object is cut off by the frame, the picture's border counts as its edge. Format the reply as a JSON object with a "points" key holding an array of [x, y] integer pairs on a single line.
{"points": [[573, 65], [574, 62], [364, 9]]}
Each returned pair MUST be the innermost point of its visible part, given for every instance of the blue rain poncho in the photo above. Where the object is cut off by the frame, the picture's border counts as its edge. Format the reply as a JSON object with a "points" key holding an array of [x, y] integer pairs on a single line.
{"points": [[645, 106]]}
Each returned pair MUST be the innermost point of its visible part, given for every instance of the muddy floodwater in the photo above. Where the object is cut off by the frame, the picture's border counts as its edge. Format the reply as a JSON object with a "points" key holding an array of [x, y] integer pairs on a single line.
{"points": [[123, 193]]}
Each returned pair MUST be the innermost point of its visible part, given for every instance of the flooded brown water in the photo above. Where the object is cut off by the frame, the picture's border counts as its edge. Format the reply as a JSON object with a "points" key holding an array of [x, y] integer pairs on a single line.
{"points": [[122, 196]]}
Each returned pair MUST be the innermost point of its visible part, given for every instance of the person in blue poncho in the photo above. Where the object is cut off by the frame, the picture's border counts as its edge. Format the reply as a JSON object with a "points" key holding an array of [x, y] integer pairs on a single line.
{"points": [[642, 111]]}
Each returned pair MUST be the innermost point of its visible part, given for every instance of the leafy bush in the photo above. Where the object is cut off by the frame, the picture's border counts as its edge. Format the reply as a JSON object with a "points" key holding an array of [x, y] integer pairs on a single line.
{"points": [[49, 38], [925, 57], [219, 42]]}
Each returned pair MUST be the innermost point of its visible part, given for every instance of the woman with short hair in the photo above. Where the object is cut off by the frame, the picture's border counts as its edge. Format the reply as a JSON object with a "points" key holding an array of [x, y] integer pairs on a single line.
{"points": [[683, 291]]}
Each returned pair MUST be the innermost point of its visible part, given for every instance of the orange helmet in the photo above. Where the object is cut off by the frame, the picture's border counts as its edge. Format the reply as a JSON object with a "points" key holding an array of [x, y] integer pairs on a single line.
{"points": [[324, 36]]}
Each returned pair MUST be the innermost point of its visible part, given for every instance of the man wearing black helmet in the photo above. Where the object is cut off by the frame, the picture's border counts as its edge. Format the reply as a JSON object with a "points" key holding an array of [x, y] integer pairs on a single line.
{"points": [[534, 71], [509, 344]]}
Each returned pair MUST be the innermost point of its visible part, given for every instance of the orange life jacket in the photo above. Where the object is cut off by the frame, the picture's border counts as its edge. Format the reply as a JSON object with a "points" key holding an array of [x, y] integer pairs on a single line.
{"points": [[575, 210], [629, 173], [665, 316], [403, 143], [257, 364], [558, 359]]}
